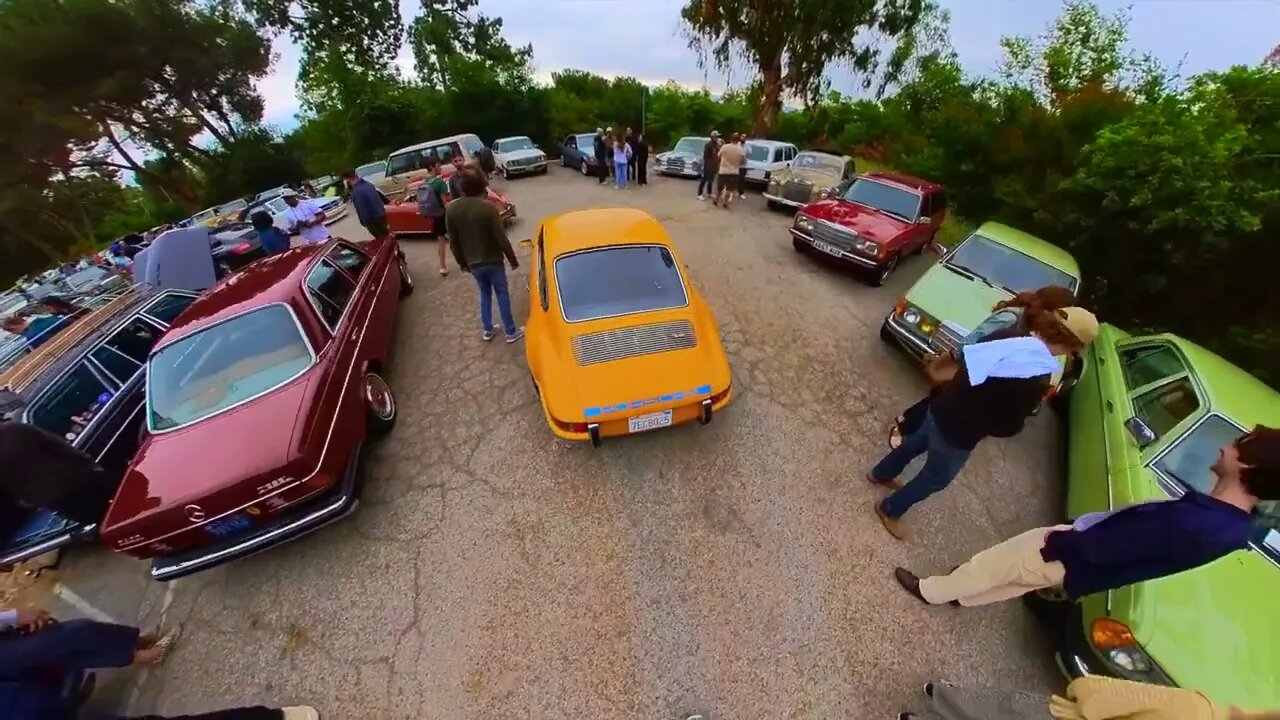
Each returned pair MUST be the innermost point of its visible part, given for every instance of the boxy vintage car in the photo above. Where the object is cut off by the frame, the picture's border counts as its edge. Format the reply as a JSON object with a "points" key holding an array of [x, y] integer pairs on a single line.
{"points": [[810, 176], [85, 385], [684, 159], [872, 223], [283, 364], [403, 218], [1148, 418], [618, 341]]}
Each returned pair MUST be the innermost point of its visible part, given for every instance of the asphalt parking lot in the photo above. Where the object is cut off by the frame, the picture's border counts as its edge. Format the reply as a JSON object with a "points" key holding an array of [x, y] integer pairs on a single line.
{"points": [[496, 572]]}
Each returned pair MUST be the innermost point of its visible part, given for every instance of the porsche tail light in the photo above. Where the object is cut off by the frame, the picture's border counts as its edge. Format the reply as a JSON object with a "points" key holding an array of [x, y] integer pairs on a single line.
{"points": [[578, 427], [715, 399], [242, 248]]}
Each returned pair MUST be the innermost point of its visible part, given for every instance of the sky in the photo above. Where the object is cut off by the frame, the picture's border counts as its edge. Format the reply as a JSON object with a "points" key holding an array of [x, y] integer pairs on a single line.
{"points": [[645, 39]]}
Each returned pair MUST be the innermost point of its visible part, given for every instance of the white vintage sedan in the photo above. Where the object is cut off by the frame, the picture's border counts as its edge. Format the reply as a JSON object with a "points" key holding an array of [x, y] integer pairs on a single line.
{"points": [[518, 156], [334, 209]]}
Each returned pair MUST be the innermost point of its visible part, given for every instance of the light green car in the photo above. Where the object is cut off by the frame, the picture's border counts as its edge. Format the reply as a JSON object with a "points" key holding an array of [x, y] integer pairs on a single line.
{"points": [[955, 295], [1148, 417]]}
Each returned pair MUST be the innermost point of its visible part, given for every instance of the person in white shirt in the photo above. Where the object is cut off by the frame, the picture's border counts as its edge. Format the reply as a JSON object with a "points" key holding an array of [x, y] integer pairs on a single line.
{"points": [[306, 217]]}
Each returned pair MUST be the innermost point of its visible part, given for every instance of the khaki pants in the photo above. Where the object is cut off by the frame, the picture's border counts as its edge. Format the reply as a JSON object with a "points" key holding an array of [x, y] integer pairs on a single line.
{"points": [[1000, 572]]}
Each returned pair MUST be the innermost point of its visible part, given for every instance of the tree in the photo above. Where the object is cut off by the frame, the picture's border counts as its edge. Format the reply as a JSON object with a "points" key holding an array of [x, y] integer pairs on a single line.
{"points": [[365, 34], [448, 29], [791, 43]]}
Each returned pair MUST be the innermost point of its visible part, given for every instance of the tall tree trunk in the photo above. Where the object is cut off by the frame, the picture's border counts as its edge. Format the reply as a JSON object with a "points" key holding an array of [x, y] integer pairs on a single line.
{"points": [[770, 96]]}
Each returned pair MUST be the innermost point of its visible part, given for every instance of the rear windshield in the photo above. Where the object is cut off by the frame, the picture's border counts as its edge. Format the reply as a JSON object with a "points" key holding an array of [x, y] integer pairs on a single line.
{"points": [[618, 281], [759, 153], [223, 366], [1004, 267]]}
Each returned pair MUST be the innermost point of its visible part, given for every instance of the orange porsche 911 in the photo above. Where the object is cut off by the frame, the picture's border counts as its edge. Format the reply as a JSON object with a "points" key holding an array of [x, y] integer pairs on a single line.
{"points": [[618, 341]]}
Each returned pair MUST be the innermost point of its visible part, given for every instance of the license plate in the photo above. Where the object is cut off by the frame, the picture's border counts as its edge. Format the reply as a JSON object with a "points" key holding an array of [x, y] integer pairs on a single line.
{"points": [[828, 249], [755, 174], [229, 525], [652, 421]]}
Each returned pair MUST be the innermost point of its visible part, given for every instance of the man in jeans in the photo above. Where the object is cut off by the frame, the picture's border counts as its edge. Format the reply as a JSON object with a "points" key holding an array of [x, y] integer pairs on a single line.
{"points": [[1109, 550], [710, 165], [479, 245]]}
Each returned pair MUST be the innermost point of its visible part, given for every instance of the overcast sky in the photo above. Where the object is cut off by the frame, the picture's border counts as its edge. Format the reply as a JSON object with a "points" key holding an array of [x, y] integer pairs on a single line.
{"points": [[644, 39]]}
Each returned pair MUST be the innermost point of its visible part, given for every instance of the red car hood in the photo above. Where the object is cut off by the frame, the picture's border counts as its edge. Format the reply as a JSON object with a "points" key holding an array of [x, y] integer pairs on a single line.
{"points": [[868, 223], [411, 194], [218, 464]]}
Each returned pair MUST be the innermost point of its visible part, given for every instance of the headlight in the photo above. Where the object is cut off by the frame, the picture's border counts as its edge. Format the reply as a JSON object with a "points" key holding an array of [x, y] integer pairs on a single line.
{"points": [[867, 247], [697, 164], [803, 222], [915, 318], [824, 193], [1116, 642]]}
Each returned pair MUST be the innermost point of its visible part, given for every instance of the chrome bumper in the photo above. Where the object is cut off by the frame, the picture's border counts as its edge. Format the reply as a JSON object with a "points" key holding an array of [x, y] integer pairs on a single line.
{"points": [[908, 339], [333, 506], [847, 256], [783, 201], [526, 169], [54, 543]]}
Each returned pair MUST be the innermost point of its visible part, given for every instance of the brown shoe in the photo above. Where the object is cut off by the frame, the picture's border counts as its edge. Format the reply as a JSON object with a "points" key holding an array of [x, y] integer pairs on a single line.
{"points": [[894, 484], [895, 526], [909, 582]]}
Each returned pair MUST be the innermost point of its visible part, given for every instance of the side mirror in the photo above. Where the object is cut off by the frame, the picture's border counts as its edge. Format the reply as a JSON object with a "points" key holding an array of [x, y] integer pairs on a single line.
{"points": [[924, 220], [1142, 434]]}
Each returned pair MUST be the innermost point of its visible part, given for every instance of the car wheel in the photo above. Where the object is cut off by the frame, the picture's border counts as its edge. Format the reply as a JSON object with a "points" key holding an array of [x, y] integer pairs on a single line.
{"points": [[797, 245], [406, 281], [381, 404], [882, 275], [773, 204]]}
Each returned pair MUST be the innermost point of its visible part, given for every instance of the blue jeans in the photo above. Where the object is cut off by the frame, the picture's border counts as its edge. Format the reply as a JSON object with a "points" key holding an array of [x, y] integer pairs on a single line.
{"points": [[620, 174], [492, 279], [941, 466], [708, 181]]}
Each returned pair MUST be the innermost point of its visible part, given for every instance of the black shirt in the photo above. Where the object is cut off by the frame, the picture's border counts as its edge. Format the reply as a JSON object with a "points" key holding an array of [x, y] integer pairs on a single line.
{"points": [[998, 407]]}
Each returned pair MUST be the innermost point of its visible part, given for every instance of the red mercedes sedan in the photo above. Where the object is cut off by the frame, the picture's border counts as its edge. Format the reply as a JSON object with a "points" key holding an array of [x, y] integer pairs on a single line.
{"points": [[259, 402]]}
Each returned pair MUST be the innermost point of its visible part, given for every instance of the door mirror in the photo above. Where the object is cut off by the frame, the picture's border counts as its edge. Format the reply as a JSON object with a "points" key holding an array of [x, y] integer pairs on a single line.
{"points": [[925, 220], [1142, 434]]}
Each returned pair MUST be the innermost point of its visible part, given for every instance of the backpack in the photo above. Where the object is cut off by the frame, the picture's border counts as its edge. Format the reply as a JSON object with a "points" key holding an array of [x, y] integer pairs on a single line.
{"points": [[430, 201]]}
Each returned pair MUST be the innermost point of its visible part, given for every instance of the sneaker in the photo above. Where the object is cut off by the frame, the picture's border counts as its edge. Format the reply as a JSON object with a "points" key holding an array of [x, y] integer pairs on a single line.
{"points": [[701, 198], [487, 336], [742, 196], [519, 333], [895, 526]]}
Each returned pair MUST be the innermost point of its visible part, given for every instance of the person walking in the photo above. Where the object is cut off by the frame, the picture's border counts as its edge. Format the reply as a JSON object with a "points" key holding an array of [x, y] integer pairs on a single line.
{"points": [[997, 386], [371, 211], [601, 150], [732, 158], [621, 163], [431, 201], [742, 169], [642, 160], [1109, 550], [710, 155], [305, 217], [480, 245]]}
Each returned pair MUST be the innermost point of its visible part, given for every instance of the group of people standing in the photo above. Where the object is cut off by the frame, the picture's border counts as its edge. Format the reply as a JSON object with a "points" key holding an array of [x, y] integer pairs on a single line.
{"points": [[724, 169], [625, 156], [462, 220]]}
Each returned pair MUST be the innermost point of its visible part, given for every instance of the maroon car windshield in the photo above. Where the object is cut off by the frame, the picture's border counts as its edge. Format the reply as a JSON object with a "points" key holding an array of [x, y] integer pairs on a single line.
{"points": [[223, 366]]}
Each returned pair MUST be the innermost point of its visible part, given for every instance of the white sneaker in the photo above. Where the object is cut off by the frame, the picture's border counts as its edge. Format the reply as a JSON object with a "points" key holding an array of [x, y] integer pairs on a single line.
{"points": [[701, 198], [519, 333], [300, 712]]}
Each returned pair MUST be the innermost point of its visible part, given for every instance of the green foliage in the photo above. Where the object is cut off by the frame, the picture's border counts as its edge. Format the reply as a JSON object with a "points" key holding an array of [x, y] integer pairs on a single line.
{"points": [[446, 30]]}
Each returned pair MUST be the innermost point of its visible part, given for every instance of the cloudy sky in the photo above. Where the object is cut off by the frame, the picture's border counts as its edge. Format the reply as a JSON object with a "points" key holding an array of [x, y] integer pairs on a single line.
{"points": [[644, 40]]}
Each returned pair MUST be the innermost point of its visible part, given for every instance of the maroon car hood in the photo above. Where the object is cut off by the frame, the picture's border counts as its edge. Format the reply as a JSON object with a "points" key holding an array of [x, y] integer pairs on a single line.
{"points": [[218, 464], [870, 224]]}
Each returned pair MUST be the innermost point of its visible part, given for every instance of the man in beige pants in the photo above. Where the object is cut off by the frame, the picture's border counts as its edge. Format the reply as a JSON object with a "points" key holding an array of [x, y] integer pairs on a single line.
{"points": [[1108, 550]]}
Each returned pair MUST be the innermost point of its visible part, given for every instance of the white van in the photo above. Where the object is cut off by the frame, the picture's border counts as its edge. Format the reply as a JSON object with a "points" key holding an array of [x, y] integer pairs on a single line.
{"points": [[409, 164]]}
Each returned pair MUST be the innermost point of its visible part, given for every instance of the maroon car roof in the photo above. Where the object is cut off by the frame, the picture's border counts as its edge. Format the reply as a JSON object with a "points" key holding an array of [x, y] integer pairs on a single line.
{"points": [[907, 181], [274, 279]]}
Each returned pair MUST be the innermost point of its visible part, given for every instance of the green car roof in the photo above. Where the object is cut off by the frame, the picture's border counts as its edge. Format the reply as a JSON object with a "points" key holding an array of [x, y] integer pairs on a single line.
{"points": [[1041, 250]]}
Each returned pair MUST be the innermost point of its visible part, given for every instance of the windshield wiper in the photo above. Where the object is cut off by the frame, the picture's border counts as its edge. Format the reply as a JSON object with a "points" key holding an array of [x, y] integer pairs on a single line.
{"points": [[973, 275], [900, 216]]}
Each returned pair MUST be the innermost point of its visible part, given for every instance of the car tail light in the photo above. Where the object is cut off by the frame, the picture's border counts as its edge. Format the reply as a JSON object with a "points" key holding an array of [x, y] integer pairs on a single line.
{"points": [[715, 399], [242, 248], [578, 427], [1107, 634]]}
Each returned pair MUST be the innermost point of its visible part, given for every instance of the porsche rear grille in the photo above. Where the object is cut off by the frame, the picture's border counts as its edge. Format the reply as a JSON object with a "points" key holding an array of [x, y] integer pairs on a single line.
{"points": [[634, 341]]}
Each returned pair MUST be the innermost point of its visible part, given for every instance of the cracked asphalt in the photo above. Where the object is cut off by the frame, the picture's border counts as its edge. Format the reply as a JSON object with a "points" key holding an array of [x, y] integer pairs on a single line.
{"points": [[734, 569]]}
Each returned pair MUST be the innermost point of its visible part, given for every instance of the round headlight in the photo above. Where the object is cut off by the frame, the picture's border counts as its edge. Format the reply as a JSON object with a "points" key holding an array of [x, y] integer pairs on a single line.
{"points": [[1130, 660], [911, 316]]}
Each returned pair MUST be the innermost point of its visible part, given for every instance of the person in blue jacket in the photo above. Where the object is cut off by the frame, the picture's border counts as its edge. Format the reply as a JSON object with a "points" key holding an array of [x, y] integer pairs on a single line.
{"points": [[272, 238]]}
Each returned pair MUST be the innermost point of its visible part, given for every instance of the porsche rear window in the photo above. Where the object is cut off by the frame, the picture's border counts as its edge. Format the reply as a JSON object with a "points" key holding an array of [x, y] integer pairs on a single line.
{"points": [[618, 281], [223, 366]]}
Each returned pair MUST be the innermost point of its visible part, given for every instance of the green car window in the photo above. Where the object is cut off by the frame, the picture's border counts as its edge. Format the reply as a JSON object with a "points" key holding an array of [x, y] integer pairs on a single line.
{"points": [[1148, 364], [1189, 460], [1163, 407]]}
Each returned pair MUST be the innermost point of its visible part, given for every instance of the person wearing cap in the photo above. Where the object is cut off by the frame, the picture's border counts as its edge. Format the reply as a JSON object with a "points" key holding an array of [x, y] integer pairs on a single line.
{"points": [[998, 384], [710, 165], [1108, 550], [601, 151], [306, 217]]}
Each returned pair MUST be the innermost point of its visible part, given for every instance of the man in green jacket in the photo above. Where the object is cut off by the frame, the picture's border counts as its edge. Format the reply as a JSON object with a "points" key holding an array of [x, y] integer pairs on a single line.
{"points": [[479, 245]]}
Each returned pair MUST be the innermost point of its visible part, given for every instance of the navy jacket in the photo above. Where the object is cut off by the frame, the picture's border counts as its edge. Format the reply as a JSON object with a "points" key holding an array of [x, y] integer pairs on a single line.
{"points": [[1148, 541], [368, 203]]}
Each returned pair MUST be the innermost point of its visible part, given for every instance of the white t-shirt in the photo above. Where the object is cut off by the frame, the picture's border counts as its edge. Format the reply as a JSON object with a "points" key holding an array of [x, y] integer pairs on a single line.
{"points": [[304, 211]]}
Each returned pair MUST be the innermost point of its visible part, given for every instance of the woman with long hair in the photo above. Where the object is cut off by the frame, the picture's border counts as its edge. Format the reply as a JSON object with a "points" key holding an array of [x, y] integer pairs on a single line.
{"points": [[1006, 317]]}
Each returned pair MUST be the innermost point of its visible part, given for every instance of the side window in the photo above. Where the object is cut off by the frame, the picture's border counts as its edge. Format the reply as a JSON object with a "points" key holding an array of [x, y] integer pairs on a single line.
{"points": [[349, 259], [474, 145], [168, 307], [939, 202], [71, 403], [125, 352], [570, 141], [542, 275], [1149, 364], [792, 152], [331, 291], [1164, 406]]}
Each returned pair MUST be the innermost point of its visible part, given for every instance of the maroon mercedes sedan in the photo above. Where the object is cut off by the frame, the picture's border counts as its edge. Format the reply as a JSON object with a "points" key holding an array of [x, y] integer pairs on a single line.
{"points": [[259, 401]]}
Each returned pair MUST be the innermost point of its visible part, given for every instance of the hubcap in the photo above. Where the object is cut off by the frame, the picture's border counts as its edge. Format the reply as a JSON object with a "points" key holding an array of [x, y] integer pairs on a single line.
{"points": [[378, 395], [888, 269], [404, 275]]}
